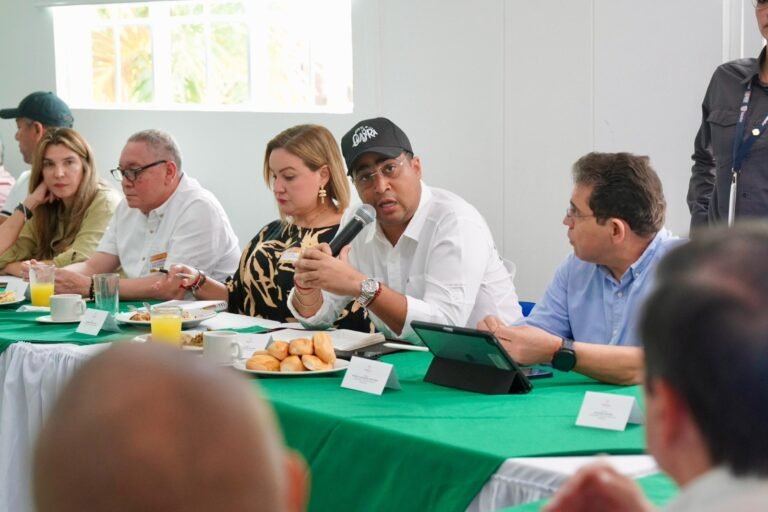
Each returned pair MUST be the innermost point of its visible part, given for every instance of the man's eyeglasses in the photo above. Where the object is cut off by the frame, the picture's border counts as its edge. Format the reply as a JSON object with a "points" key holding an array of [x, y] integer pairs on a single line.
{"points": [[365, 177], [572, 213], [760, 4], [132, 174]]}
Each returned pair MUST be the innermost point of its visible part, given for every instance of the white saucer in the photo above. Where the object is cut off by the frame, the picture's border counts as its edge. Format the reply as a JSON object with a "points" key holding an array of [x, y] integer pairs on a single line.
{"points": [[48, 320]]}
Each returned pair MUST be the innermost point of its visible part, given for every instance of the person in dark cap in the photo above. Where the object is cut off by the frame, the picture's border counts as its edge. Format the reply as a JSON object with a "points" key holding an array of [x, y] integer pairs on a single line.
{"points": [[35, 114], [429, 256]]}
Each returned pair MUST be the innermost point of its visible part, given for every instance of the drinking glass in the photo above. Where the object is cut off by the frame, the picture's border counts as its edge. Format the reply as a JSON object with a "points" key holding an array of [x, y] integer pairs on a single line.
{"points": [[106, 292], [165, 322], [41, 279]]}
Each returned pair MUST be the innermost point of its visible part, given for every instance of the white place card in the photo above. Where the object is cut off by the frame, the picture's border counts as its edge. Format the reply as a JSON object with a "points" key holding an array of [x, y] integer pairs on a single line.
{"points": [[95, 320], [370, 376], [608, 411], [92, 321], [252, 342]]}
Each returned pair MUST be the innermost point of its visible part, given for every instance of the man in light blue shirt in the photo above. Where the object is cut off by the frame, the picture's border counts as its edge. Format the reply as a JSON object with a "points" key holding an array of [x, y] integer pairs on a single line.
{"points": [[615, 226]]}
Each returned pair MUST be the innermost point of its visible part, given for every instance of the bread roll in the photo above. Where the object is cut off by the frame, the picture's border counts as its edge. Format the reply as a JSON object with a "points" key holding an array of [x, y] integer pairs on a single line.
{"points": [[260, 353], [291, 364], [278, 349], [300, 347], [324, 347], [314, 363], [265, 363]]}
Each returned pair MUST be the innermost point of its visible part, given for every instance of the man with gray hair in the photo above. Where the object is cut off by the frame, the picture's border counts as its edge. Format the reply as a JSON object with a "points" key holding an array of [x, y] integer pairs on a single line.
{"points": [[167, 217]]}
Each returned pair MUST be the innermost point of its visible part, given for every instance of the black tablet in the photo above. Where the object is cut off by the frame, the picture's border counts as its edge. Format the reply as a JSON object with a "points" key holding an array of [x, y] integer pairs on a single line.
{"points": [[470, 359]]}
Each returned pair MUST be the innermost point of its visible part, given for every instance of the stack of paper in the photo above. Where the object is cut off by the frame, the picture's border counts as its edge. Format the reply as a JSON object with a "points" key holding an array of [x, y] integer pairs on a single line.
{"points": [[344, 340], [189, 305]]}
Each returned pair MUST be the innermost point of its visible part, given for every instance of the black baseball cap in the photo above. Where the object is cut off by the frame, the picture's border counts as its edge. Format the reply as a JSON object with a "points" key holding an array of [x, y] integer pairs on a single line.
{"points": [[377, 135], [43, 107]]}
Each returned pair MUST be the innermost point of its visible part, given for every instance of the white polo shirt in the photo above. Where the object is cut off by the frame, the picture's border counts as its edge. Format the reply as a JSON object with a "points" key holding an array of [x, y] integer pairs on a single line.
{"points": [[445, 263], [191, 227]]}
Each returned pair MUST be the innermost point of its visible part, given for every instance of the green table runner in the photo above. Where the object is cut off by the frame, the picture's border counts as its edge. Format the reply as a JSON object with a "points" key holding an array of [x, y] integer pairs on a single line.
{"points": [[426, 447], [659, 489], [25, 327]]}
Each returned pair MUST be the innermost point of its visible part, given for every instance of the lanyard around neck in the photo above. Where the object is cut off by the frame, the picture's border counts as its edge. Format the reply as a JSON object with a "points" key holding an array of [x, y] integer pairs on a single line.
{"points": [[741, 146]]}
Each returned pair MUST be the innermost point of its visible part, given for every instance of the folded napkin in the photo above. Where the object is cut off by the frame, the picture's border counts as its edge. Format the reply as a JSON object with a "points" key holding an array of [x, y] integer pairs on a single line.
{"points": [[28, 308]]}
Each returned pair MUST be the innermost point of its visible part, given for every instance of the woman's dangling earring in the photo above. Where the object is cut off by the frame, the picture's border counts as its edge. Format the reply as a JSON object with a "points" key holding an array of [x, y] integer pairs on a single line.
{"points": [[322, 194]]}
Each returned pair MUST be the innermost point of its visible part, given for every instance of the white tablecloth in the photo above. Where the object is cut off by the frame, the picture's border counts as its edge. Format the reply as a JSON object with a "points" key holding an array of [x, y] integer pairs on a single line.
{"points": [[32, 376], [526, 479]]}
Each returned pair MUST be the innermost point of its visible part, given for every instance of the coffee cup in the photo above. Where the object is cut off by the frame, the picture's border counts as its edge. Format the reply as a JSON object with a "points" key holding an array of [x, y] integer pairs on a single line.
{"points": [[221, 347], [67, 307]]}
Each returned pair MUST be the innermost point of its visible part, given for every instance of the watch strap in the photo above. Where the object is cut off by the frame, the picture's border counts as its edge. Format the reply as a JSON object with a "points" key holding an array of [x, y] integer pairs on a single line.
{"points": [[26, 212], [564, 359], [368, 295]]}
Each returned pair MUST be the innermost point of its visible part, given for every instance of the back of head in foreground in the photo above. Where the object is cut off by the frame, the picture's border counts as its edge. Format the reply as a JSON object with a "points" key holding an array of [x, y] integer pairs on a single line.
{"points": [[705, 332], [148, 428]]}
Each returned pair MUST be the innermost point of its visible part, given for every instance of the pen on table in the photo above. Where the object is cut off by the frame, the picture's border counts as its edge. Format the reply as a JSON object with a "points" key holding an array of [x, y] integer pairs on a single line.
{"points": [[180, 274], [403, 346]]}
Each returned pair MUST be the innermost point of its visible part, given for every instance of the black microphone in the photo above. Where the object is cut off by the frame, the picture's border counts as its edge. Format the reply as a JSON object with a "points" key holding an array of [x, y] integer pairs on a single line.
{"points": [[363, 216]]}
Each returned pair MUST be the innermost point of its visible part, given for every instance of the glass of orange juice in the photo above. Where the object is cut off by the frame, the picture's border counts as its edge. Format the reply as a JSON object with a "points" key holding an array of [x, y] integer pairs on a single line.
{"points": [[165, 322], [41, 279]]}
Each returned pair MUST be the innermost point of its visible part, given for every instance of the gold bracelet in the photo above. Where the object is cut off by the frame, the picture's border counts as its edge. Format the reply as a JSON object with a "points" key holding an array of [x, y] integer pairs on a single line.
{"points": [[296, 294]]}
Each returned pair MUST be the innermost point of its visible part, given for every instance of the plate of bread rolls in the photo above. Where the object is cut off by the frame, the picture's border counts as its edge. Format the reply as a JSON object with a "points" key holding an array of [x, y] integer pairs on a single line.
{"points": [[297, 357]]}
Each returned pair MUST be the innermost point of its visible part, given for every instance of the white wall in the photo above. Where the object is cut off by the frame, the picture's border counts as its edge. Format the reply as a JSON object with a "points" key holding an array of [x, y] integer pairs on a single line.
{"points": [[498, 97]]}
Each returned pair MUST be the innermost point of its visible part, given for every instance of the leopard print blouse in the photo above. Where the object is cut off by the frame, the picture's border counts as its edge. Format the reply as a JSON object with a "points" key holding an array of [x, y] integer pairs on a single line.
{"points": [[264, 277]]}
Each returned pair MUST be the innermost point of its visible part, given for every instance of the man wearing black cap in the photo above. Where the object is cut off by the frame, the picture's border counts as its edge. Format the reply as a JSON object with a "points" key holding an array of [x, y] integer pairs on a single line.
{"points": [[429, 256], [35, 114]]}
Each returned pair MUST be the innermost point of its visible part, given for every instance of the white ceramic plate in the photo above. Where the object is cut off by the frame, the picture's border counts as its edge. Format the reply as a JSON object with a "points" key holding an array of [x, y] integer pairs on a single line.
{"points": [[13, 303], [48, 320], [339, 366], [145, 337], [200, 316]]}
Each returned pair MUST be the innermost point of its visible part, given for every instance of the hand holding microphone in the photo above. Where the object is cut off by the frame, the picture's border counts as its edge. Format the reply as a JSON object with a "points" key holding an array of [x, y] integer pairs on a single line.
{"points": [[364, 215], [316, 268]]}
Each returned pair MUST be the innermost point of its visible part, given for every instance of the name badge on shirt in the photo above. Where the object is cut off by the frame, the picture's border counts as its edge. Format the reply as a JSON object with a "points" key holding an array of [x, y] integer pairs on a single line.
{"points": [[290, 255], [157, 261]]}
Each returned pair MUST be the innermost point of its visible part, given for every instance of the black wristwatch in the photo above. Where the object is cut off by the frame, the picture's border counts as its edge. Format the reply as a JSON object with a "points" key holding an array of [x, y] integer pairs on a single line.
{"points": [[565, 358], [26, 212]]}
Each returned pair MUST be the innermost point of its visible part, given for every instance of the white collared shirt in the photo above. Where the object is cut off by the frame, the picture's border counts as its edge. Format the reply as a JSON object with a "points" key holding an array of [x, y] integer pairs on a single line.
{"points": [[445, 263], [191, 227]]}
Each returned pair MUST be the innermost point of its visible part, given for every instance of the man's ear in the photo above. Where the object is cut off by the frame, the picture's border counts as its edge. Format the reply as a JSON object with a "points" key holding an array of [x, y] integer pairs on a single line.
{"points": [[171, 171], [416, 165], [671, 413], [39, 130], [298, 482], [619, 229]]}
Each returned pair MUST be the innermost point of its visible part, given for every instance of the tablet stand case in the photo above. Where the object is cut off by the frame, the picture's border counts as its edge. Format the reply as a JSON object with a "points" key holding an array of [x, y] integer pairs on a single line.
{"points": [[475, 377]]}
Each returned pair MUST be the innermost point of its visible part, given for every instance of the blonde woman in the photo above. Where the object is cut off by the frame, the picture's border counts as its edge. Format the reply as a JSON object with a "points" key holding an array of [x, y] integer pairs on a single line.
{"points": [[73, 207], [304, 170]]}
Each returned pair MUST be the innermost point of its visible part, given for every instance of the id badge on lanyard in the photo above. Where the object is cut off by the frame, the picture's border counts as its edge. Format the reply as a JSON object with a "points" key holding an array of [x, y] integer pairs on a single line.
{"points": [[741, 149]]}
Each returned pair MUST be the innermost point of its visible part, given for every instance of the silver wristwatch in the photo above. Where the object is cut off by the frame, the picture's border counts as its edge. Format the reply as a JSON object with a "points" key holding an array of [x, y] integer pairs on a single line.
{"points": [[369, 288]]}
